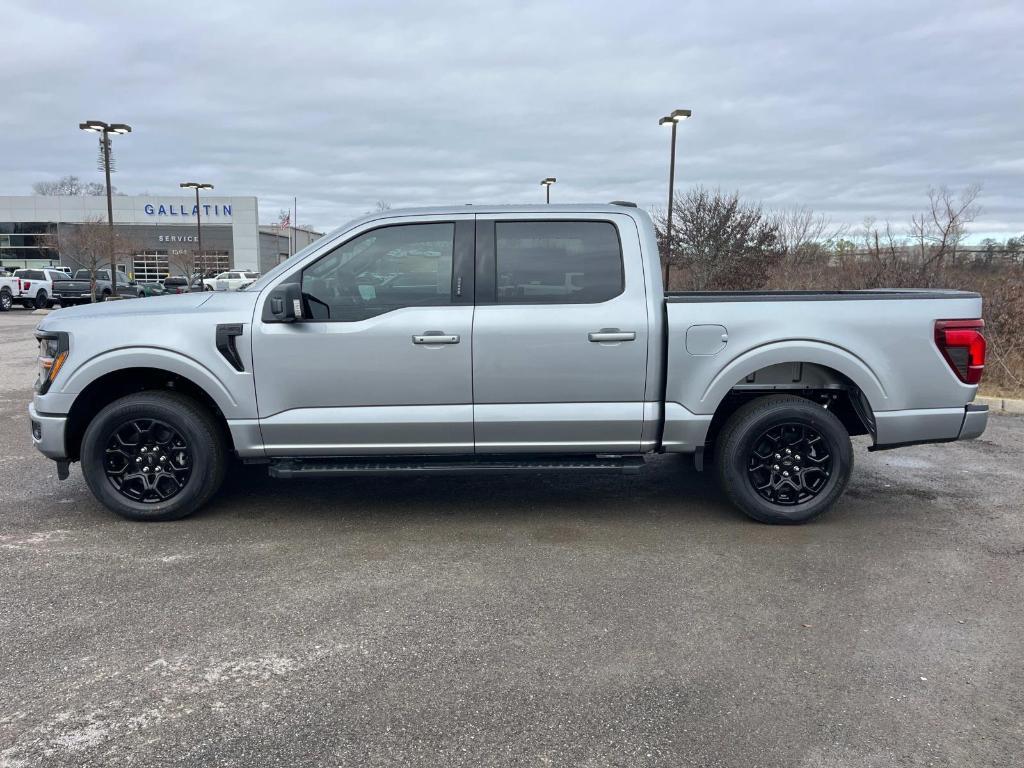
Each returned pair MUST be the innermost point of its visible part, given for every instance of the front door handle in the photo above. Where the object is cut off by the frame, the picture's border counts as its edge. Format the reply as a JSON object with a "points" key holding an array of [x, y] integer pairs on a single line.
{"points": [[435, 337], [611, 334]]}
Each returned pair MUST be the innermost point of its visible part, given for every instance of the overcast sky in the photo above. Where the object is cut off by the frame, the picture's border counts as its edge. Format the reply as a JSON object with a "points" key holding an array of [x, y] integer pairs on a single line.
{"points": [[851, 108]]}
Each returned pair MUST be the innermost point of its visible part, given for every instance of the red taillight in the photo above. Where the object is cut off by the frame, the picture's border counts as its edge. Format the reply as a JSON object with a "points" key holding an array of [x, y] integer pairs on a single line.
{"points": [[25, 286], [963, 346]]}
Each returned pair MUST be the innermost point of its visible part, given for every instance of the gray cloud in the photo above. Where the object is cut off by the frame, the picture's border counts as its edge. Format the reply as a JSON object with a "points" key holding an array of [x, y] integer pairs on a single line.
{"points": [[852, 108]]}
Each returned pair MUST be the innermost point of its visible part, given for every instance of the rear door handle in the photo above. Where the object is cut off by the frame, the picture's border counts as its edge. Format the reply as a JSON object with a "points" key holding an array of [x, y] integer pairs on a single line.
{"points": [[611, 334], [435, 337]]}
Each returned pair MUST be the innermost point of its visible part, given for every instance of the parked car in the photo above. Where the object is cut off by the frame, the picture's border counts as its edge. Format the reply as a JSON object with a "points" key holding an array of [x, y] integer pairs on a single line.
{"points": [[525, 338], [181, 284], [77, 289], [37, 286], [230, 281], [10, 289], [151, 289]]}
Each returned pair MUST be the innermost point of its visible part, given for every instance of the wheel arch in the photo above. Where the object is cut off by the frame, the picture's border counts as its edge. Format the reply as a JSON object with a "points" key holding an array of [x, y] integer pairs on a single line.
{"points": [[112, 385], [829, 376]]}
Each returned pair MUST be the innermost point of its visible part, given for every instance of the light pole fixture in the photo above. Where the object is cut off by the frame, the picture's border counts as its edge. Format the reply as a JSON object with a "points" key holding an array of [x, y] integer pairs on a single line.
{"points": [[546, 183], [199, 229], [105, 129], [673, 119]]}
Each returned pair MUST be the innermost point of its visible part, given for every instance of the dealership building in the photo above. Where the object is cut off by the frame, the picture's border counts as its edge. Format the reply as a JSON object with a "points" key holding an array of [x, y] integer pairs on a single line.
{"points": [[155, 235]]}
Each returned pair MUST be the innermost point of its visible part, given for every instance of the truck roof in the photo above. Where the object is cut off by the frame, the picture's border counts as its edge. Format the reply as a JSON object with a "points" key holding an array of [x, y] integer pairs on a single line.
{"points": [[472, 208]]}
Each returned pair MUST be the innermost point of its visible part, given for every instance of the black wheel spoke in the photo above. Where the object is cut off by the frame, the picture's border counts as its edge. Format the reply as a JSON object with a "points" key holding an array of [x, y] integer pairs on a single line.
{"points": [[789, 464], [148, 460]]}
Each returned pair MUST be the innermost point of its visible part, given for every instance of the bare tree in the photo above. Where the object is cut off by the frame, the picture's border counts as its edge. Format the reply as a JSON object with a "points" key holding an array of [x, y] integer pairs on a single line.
{"points": [[938, 232], [805, 236], [70, 185], [379, 207], [719, 242], [89, 246]]}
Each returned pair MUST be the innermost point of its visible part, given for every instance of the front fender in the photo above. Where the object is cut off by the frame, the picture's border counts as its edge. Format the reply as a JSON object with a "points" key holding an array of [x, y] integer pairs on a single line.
{"points": [[162, 359]]}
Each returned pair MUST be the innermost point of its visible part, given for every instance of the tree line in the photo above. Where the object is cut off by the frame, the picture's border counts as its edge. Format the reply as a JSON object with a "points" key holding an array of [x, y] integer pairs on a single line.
{"points": [[721, 242]]}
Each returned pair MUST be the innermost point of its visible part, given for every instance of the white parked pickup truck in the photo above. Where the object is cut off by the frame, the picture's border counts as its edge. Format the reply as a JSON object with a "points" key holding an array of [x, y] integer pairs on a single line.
{"points": [[10, 291], [37, 286], [501, 339], [230, 281]]}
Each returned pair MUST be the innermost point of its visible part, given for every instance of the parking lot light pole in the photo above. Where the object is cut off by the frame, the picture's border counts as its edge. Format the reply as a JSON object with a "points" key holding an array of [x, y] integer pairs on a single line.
{"points": [[673, 119], [105, 129], [546, 183], [199, 228]]}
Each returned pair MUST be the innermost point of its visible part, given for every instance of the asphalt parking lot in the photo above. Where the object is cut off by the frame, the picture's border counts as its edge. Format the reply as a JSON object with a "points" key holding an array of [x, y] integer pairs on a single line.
{"points": [[526, 620]]}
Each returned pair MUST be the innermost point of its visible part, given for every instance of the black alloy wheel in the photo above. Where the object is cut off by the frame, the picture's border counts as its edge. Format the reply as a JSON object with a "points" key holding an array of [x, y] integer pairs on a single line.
{"points": [[783, 459], [789, 464], [148, 461], [154, 455]]}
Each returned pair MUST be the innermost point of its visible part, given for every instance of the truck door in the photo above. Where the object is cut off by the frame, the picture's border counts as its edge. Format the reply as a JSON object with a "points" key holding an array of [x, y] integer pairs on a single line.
{"points": [[559, 335], [380, 361]]}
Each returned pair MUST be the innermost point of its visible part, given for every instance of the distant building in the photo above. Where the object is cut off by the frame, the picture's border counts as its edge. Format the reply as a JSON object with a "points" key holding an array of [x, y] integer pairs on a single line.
{"points": [[278, 243], [36, 231]]}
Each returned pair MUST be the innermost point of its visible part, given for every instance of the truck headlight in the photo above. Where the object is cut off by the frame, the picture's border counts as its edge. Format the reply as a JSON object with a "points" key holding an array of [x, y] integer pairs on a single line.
{"points": [[53, 351]]}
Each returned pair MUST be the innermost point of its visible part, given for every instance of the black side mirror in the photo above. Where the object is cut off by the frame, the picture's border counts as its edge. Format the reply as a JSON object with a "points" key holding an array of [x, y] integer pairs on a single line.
{"points": [[284, 305]]}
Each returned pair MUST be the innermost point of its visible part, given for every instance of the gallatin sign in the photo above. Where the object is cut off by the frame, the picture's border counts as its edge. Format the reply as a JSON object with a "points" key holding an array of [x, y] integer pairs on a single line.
{"points": [[177, 209]]}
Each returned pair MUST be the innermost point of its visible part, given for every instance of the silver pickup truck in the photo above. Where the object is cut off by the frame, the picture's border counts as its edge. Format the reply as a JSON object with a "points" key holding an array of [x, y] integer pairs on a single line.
{"points": [[522, 338]]}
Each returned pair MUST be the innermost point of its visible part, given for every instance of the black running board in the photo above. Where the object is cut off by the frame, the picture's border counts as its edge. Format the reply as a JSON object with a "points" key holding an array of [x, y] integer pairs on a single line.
{"points": [[334, 467]]}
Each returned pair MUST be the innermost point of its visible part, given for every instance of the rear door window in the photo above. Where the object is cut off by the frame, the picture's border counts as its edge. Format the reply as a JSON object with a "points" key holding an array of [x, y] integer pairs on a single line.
{"points": [[557, 262]]}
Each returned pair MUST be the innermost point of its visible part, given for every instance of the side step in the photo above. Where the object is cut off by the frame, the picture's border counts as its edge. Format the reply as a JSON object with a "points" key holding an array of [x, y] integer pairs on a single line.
{"points": [[335, 467]]}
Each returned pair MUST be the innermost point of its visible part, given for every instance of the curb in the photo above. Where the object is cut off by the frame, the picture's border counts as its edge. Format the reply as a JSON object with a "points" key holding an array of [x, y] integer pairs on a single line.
{"points": [[1002, 404]]}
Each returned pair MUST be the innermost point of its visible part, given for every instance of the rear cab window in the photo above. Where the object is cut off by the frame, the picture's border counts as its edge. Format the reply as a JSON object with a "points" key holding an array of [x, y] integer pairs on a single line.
{"points": [[557, 262]]}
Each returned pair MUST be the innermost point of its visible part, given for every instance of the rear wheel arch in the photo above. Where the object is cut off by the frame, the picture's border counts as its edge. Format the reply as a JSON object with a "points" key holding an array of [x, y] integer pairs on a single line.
{"points": [[822, 385]]}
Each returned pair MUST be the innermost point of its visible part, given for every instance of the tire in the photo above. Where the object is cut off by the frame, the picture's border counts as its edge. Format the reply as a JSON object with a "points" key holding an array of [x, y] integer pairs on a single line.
{"points": [[793, 488], [104, 296], [41, 300], [202, 452], [6, 300]]}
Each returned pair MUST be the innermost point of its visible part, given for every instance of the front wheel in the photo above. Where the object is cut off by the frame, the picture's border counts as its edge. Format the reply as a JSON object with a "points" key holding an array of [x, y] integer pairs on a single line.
{"points": [[783, 459], [153, 456], [6, 300]]}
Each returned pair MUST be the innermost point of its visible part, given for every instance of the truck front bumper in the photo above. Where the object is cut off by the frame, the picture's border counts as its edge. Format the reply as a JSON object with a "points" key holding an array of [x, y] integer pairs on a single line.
{"points": [[48, 433]]}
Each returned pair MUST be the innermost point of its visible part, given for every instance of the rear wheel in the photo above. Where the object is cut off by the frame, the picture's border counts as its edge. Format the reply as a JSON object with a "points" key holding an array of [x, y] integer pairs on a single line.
{"points": [[41, 300], [6, 299], [153, 456], [783, 459]]}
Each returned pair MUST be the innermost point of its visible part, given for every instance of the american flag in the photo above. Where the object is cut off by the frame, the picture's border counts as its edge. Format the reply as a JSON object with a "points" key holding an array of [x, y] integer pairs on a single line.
{"points": [[286, 220]]}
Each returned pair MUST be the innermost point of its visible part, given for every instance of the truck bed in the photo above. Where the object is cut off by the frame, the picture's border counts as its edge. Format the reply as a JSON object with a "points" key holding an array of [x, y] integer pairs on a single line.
{"points": [[880, 343]]}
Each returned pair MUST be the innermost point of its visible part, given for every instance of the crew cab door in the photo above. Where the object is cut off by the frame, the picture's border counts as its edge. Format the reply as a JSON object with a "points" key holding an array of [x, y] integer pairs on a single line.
{"points": [[380, 361], [560, 335]]}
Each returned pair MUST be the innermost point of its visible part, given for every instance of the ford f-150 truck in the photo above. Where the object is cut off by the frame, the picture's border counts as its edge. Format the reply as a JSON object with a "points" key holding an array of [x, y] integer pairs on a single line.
{"points": [[499, 339]]}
